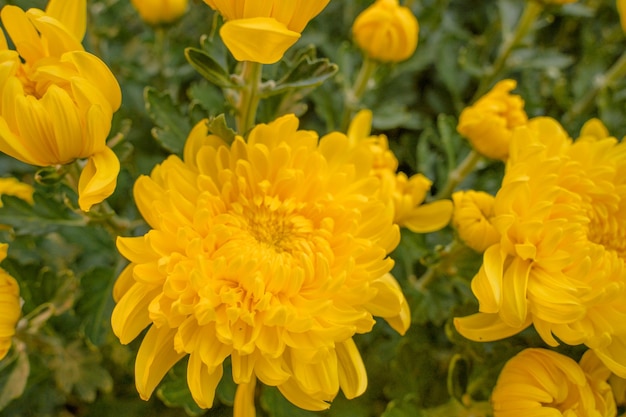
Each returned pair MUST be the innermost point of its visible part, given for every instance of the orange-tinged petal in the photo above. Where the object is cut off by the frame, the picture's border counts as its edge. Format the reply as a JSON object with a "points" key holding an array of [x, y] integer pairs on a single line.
{"points": [[429, 217], [72, 13], [155, 357], [482, 327], [98, 179], [259, 39], [244, 400], [352, 374]]}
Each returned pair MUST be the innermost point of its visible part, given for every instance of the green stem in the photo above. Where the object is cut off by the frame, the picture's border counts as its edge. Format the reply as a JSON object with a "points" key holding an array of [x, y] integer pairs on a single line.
{"points": [[249, 96], [529, 16], [617, 71], [354, 95], [456, 176]]}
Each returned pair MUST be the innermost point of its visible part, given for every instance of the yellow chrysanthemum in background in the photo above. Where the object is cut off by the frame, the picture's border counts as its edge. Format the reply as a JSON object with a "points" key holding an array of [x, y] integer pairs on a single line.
{"points": [[473, 211], [540, 382], [159, 12], [405, 194], [386, 31], [10, 308], [58, 100], [262, 30], [488, 124], [559, 261], [271, 252], [12, 186]]}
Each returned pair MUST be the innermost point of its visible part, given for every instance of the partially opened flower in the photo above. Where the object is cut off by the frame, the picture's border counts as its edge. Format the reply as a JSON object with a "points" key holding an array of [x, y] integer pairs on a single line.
{"points": [[159, 12], [386, 31], [539, 382], [262, 30], [473, 211], [488, 124], [405, 194], [58, 100], [559, 261], [272, 252], [10, 308]]}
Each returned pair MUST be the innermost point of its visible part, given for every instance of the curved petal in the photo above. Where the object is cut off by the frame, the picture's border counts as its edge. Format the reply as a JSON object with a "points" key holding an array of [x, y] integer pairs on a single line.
{"points": [[23, 34], [98, 179], [155, 357], [259, 39], [244, 400], [390, 304], [482, 327], [294, 394], [58, 39], [429, 217], [352, 374], [73, 14], [514, 309], [487, 284], [202, 381]]}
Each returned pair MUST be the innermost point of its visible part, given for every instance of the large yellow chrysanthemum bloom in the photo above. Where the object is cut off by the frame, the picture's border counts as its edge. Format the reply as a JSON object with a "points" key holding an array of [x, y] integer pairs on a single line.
{"points": [[386, 31], [272, 252], [10, 308], [262, 30], [405, 195], [488, 124], [540, 383], [57, 99], [158, 12], [559, 261]]}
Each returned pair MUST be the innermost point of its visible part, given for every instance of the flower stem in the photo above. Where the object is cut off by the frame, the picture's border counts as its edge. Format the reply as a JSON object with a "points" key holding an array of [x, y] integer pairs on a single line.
{"points": [[249, 98], [353, 95], [456, 176], [617, 71], [529, 15]]}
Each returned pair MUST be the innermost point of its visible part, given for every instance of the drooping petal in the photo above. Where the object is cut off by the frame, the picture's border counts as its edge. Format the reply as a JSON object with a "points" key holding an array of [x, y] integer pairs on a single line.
{"points": [[244, 400], [202, 381], [98, 179], [352, 375], [482, 327], [429, 217]]}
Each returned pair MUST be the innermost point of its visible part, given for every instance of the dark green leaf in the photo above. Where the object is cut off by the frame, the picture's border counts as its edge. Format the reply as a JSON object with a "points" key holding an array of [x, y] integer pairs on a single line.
{"points": [[96, 303], [458, 377], [306, 72], [209, 68], [275, 405], [217, 126], [174, 391], [172, 127]]}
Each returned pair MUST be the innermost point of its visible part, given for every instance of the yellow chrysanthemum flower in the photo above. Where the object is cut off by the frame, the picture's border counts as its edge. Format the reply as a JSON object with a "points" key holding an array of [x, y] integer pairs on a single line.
{"points": [[406, 195], [58, 100], [11, 186], [10, 308], [559, 262], [158, 12], [488, 124], [272, 252], [540, 382], [262, 30], [471, 218], [386, 31]]}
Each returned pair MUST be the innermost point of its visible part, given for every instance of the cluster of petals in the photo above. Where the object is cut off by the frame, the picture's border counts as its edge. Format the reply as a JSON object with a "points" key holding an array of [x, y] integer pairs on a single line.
{"points": [[56, 100], [559, 261], [271, 251], [386, 31], [473, 211], [539, 382], [262, 30], [159, 12], [10, 307], [12, 186], [405, 194], [488, 124]]}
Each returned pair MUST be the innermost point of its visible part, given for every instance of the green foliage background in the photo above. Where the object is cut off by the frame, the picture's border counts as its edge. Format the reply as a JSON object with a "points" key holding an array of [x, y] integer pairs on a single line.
{"points": [[67, 362]]}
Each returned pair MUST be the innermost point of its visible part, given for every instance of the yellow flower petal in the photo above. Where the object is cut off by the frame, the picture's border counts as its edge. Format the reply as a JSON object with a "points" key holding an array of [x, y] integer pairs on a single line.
{"points": [[98, 179], [483, 327], [155, 357], [59, 40], [259, 39], [244, 400], [295, 395], [22, 33], [428, 217], [202, 381], [352, 375], [73, 15]]}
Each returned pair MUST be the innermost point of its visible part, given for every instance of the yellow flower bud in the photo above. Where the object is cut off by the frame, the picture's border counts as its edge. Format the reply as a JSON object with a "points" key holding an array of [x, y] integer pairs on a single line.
{"points": [[386, 31], [621, 10], [10, 308], [472, 215], [489, 123], [262, 30], [58, 100], [158, 12]]}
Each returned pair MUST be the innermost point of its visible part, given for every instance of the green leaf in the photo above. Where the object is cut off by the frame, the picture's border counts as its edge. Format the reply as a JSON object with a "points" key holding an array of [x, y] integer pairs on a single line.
{"points": [[174, 391], [96, 304], [209, 68], [458, 377], [217, 125], [172, 127], [44, 216], [306, 72], [14, 383], [275, 405], [407, 407]]}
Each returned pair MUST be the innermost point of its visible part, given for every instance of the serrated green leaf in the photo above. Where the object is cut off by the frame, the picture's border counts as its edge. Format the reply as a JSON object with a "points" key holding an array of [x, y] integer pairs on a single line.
{"points": [[218, 126], [172, 127], [209, 68], [14, 383], [44, 216], [307, 72], [96, 304]]}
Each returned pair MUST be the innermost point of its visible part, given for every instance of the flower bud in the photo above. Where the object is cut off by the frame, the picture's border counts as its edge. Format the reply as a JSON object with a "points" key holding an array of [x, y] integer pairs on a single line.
{"points": [[158, 12], [489, 123], [472, 215], [386, 31]]}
